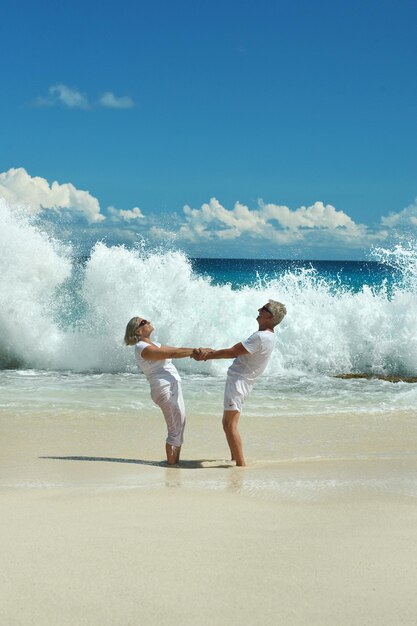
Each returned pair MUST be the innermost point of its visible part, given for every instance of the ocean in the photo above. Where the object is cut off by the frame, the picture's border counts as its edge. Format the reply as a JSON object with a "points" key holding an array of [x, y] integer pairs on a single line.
{"points": [[63, 318]]}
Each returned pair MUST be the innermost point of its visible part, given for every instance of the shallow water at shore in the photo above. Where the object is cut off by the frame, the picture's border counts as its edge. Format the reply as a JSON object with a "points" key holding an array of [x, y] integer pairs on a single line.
{"points": [[303, 438], [286, 395]]}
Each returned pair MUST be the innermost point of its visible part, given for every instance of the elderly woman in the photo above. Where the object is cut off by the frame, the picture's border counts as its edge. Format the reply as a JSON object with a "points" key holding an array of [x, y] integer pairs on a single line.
{"points": [[155, 362]]}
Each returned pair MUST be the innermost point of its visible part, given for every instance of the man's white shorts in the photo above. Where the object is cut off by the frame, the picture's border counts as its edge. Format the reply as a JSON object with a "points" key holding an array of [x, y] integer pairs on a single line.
{"points": [[235, 393]]}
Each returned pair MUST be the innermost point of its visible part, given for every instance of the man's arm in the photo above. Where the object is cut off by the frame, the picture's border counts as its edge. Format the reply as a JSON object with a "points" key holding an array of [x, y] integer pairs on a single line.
{"points": [[227, 353], [153, 353]]}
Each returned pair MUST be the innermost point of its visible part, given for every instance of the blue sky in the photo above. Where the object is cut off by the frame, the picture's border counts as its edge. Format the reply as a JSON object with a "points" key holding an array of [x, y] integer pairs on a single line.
{"points": [[286, 128]]}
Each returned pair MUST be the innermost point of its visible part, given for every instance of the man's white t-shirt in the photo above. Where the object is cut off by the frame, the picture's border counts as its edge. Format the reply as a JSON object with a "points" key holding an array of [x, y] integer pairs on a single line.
{"points": [[155, 371], [249, 366]]}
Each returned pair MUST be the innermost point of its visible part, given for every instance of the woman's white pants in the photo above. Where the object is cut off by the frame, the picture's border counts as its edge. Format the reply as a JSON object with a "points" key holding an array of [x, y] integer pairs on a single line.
{"points": [[169, 399]]}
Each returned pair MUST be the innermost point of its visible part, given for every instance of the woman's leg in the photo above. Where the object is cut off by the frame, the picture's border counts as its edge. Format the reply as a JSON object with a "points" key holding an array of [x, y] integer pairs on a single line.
{"points": [[173, 454], [171, 403]]}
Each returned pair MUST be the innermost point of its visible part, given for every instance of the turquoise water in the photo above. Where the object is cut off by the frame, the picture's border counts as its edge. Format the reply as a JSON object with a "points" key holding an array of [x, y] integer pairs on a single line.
{"points": [[351, 275]]}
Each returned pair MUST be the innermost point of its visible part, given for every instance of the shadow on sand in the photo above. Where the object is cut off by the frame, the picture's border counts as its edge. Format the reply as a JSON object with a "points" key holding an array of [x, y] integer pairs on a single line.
{"points": [[200, 463]]}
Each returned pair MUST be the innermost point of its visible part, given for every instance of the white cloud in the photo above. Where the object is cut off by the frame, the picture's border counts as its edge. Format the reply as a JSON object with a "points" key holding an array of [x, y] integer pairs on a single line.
{"points": [[113, 102], [211, 227], [403, 219], [273, 223], [124, 215], [133, 214], [34, 192], [161, 233], [316, 216], [72, 98]]}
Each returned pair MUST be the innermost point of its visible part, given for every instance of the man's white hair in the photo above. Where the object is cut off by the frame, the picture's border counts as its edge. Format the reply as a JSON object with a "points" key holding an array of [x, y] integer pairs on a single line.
{"points": [[278, 310]]}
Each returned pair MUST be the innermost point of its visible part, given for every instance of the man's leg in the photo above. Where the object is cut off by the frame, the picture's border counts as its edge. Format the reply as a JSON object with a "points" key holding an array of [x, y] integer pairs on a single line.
{"points": [[230, 421]]}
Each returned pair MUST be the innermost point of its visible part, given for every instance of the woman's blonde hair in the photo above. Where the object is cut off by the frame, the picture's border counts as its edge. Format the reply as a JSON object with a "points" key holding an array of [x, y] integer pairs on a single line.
{"points": [[278, 311], [131, 336]]}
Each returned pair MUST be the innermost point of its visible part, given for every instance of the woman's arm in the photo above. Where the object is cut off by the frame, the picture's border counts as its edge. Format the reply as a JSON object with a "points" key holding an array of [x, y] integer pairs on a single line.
{"points": [[153, 353]]}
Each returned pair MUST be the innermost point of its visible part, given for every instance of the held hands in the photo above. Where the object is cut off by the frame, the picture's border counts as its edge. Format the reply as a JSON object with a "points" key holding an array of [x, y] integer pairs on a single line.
{"points": [[201, 354]]}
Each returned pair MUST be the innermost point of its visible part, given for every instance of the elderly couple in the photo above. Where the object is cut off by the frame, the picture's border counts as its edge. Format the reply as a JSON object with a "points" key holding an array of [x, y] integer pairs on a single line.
{"points": [[250, 359]]}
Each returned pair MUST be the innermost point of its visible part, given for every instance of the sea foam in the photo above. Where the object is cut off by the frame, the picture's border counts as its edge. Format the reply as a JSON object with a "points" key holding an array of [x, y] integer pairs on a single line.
{"points": [[59, 313]]}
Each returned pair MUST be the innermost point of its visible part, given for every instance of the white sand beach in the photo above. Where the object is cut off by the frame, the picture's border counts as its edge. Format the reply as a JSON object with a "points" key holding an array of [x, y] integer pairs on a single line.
{"points": [[81, 556], [103, 535]]}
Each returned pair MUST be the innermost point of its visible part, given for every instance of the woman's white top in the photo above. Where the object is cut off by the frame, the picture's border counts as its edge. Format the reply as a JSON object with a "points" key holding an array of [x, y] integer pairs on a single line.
{"points": [[155, 371]]}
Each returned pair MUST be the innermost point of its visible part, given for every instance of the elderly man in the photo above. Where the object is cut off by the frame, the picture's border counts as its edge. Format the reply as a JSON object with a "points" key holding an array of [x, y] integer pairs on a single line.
{"points": [[250, 360]]}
